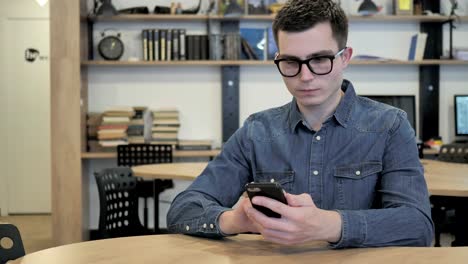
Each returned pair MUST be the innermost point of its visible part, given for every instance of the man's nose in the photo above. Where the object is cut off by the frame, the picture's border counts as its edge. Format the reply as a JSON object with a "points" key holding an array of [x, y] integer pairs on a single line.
{"points": [[306, 74]]}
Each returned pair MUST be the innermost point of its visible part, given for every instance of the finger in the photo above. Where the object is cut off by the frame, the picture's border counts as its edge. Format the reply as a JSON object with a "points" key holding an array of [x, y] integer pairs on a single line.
{"points": [[299, 200], [272, 204], [280, 224]]}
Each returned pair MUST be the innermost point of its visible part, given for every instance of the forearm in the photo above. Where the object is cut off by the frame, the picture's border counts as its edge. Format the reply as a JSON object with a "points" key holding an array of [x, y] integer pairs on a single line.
{"points": [[195, 213], [400, 226]]}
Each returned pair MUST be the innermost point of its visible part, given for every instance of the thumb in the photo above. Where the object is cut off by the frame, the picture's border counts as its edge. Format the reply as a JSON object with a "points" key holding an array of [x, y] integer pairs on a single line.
{"points": [[299, 200]]}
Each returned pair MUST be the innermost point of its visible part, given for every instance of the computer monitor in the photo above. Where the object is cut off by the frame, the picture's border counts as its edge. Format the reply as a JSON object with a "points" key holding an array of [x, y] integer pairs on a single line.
{"points": [[404, 102], [461, 115]]}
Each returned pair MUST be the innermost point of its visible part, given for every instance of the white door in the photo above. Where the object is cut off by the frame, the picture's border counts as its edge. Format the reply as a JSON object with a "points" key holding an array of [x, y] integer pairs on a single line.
{"points": [[28, 119]]}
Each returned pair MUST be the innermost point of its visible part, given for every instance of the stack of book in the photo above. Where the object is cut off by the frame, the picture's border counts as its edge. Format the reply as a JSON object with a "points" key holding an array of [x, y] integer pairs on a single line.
{"points": [[92, 123], [165, 126], [113, 130], [201, 144], [136, 128]]}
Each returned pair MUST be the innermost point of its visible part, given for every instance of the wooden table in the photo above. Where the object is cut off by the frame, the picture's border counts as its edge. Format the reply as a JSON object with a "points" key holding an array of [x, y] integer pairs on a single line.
{"points": [[237, 249], [178, 170], [443, 178]]}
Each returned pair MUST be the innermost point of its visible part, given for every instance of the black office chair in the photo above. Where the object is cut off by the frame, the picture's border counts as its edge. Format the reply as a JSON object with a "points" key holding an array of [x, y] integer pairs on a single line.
{"points": [[445, 208], [7, 252], [118, 200], [141, 154]]}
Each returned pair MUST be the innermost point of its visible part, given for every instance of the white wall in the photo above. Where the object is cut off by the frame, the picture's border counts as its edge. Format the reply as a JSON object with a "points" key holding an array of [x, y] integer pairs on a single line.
{"points": [[10, 9]]}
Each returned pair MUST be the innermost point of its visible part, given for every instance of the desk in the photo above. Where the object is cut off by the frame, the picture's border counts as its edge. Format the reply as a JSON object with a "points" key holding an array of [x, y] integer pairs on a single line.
{"points": [[179, 170], [448, 186], [237, 249], [443, 178]]}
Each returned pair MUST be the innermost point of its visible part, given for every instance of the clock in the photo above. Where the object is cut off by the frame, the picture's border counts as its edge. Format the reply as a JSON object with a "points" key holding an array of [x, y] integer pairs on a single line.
{"points": [[111, 47]]}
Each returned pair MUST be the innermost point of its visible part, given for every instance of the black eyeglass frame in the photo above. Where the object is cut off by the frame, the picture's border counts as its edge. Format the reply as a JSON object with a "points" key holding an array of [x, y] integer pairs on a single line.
{"points": [[306, 62]]}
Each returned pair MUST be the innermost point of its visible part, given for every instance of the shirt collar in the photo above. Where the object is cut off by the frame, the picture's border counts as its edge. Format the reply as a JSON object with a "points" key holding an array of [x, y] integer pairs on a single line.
{"points": [[342, 113]]}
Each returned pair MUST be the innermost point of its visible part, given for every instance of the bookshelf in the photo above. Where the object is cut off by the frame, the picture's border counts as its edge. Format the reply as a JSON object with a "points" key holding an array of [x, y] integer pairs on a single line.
{"points": [[255, 62], [154, 17], [70, 65]]}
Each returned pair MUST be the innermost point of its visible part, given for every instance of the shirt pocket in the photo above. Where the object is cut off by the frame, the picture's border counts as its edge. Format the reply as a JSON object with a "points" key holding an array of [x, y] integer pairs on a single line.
{"points": [[356, 184], [285, 178]]}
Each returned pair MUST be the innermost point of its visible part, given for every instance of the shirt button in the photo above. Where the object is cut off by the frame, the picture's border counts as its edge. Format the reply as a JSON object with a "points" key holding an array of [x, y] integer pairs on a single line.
{"points": [[318, 138], [204, 225], [211, 226], [315, 172], [272, 180], [358, 173], [187, 228]]}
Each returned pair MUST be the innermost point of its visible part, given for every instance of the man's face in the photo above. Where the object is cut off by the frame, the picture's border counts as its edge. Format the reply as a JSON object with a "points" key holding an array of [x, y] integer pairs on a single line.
{"points": [[309, 89]]}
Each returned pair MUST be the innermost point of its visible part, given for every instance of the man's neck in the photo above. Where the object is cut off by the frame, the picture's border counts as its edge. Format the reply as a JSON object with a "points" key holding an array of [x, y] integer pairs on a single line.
{"points": [[316, 115]]}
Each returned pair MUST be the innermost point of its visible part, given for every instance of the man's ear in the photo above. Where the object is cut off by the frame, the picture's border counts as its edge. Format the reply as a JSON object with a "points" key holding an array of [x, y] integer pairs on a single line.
{"points": [[347, 54]]}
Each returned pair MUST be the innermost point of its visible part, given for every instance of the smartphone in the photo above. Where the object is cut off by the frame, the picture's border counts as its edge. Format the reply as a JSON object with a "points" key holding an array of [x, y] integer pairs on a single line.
{"points": [[271, 190]]}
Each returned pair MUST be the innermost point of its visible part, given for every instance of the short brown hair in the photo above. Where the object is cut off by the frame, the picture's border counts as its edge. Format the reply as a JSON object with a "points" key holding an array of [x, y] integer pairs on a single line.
{"points": [[300, 15]]}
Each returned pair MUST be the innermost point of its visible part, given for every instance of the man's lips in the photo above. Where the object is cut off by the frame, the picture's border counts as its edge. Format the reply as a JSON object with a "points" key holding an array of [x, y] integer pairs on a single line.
{"points": [[308, 90]]}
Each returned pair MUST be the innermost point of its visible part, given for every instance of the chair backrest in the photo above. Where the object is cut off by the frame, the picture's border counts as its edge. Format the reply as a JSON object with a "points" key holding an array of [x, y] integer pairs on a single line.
{"points": [[10, 232], [454, 153], [141, 154], [118, 214]]}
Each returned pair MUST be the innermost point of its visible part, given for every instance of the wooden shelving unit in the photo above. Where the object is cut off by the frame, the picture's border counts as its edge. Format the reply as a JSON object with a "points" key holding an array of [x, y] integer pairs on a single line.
{"points": [[156, 17], [257, 62]]}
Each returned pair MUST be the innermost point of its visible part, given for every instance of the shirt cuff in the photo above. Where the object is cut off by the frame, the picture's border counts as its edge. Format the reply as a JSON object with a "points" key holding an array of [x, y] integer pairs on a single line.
{"points": [[207, 225], [353, 229]]}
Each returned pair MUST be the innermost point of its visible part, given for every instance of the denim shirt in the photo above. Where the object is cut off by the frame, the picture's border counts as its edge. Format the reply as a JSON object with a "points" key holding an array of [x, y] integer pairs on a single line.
{"points": [[362, 163]]}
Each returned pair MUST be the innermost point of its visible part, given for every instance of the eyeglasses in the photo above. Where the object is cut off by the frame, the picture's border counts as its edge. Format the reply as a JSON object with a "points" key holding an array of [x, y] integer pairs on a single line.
{"points": [[319, 65]]}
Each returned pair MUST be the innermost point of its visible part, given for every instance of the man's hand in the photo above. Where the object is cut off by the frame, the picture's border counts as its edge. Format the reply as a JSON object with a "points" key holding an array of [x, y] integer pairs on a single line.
{"points": [[236, 220], [300, 220]]}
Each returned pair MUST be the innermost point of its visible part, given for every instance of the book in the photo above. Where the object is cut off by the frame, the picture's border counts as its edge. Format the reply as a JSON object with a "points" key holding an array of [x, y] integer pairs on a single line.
{"points": [[162, 44], [185, 144], [216, 49], [175, 44], [256, 39], [115, 120], [247, 51], [417, 46], [169, 45], [112, 143], [166, 122], [144, 37], [165, 135], [164, 129], [182, 45], [156, 44], [150, 45]]}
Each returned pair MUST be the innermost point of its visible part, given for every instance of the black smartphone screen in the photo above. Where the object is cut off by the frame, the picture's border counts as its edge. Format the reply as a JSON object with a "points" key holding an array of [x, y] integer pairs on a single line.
{"points": [[271, 190]]}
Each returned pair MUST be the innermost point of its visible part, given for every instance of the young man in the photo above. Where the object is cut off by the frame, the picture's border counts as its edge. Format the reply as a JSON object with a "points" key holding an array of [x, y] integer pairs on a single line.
{"points": [[349, 165]]}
